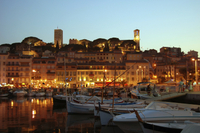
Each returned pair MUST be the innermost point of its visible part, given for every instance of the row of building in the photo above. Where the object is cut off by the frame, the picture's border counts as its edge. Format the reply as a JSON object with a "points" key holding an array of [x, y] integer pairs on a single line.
{"points": [[89, 69], [120, 67]]}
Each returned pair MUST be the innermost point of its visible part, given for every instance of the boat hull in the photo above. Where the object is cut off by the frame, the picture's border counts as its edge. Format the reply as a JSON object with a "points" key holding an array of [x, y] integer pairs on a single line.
{"points": [[40, 94], [73, 108], [60, 99], [150, 128], [105, 118], [19, 94], [48, 94], [31, 94]]}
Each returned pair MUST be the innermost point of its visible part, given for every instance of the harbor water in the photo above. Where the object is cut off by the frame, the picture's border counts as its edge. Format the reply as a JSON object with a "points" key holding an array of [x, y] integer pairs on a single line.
{"points": [[41, 115]]}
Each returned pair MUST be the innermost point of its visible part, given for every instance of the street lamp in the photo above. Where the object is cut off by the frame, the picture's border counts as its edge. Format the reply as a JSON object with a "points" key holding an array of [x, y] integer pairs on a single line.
{"points": [[196, 71], [34, 71], [12, 81]]}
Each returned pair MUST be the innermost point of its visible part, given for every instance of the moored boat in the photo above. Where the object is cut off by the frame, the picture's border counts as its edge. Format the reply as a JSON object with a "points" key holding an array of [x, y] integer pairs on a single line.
{"points": [[59, 99], [163, 127], [144, 90], [40, 94], [107, 114], [161, 112], [31, 94], [19, 93]]}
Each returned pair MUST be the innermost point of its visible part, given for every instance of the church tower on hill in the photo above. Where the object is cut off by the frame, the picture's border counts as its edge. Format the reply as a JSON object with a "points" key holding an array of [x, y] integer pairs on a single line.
{"points": [[137, 39], [58, 38]]}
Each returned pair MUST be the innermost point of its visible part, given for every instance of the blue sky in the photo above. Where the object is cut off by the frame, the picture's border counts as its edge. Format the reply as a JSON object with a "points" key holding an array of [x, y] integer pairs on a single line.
{"points": [[169, 23]]}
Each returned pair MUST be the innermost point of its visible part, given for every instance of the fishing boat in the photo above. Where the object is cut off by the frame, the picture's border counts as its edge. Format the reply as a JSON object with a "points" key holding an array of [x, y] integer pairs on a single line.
{"points": [[40, 94], [163, 127], [144, 90], [106, 114], [59, 99], [19, 93], [87, 108], [157, 112], [93, 99], [31, 94]]}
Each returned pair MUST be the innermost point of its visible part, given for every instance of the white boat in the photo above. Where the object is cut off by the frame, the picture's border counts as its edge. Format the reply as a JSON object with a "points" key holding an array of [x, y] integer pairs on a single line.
{"points": [[107, 114], [94, 99], [19, 93], [59, 99], [156, 112], [80, 108], [31, 94], [40, 94], [144, 90], [88, 108], [163, 127]]}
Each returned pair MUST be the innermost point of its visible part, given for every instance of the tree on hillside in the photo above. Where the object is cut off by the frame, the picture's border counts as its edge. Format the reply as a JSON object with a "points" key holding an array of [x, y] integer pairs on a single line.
{"points": [[106, 47], [113, 41], [57, 47], [6, 44], [30, 40], [95, 49], [99, 41], [52, 49], [127, 44], [13, 47], [77, 47], [50, 44]]}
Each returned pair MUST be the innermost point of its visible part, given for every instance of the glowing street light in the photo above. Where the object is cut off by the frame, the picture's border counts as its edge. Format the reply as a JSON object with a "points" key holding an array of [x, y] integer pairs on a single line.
{"points": [[196, 72], [34, 71]]}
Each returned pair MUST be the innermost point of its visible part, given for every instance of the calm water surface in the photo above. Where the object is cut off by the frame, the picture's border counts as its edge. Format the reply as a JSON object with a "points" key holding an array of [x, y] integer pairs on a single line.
{"points": [[40, 115]]}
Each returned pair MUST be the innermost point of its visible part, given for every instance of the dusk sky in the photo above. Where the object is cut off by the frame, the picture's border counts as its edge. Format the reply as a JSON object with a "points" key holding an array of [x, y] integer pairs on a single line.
{"points": [[162, 23]]}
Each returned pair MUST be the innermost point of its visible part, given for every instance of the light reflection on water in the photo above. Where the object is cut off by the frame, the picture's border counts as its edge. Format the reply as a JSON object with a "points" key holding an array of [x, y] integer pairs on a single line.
{"points": [[33, 115]]}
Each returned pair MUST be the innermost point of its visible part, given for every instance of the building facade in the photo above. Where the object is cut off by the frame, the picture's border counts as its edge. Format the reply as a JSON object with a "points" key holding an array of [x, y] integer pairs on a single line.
{"points": [[3, 60]]}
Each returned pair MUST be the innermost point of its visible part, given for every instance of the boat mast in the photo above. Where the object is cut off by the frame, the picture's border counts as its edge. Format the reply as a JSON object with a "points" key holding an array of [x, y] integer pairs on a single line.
{"points": [[81, 83], [114, 87], [102, 90]]}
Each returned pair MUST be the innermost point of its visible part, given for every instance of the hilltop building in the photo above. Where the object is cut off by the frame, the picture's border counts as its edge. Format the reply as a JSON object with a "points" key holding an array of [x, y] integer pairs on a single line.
{"points": [[58, 37], [137, 39]]}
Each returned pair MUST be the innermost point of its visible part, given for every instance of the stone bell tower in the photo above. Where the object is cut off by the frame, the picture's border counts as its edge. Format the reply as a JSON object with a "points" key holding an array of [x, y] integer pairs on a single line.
{"points": [[137, 39]]}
